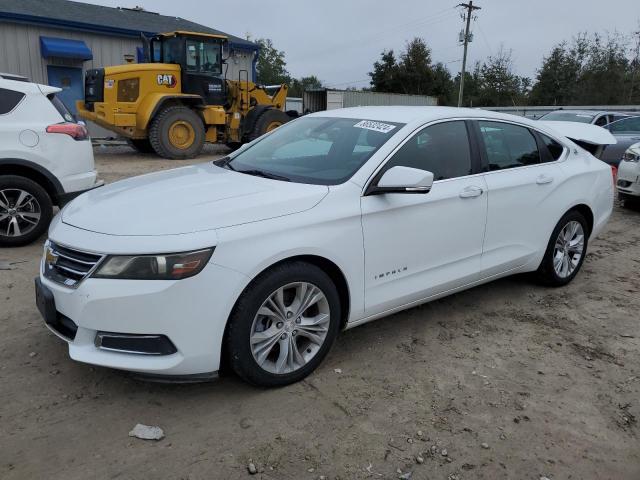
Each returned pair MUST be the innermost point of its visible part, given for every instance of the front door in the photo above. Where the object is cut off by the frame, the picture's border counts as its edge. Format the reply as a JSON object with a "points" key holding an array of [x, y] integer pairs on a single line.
{"points": [[420, 245], [70, 80]]}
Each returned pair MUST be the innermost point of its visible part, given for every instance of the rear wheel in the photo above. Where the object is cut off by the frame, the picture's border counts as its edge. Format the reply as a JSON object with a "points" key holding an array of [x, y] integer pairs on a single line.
{"points": [[25, 211], [268, 121], [177, 132], [283, 325], [141, 145], [566, 250]]}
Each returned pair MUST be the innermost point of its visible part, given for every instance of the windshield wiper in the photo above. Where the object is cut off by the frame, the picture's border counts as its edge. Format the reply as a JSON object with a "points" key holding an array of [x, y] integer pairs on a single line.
{"points": [[262, 173], [224, 163]]}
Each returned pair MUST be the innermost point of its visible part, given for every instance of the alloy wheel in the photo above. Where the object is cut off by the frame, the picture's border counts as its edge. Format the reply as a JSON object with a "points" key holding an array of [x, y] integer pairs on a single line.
{"points": [[568, 249], [290, 327], [19, 212]]}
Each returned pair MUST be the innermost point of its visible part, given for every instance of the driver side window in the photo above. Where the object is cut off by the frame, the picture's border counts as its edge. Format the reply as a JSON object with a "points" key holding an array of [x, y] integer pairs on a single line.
{"points": [[442, 149]]}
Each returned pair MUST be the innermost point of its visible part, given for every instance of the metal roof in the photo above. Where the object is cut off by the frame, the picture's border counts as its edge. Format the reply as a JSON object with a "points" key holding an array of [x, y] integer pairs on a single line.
{"points": [[107, 20]]}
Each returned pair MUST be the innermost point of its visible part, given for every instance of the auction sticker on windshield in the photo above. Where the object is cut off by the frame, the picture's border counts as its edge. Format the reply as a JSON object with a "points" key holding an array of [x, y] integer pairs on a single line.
{"points": [[375, 126]]}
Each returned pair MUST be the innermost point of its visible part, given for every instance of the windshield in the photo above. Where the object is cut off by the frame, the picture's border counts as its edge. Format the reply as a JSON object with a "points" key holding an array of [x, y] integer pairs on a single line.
{"points": [[203, 56], [318, 150], [568, 117]]}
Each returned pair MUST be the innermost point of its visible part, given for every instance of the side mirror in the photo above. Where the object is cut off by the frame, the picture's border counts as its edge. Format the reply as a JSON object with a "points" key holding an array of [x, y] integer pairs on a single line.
{"points": [[402, 180]]}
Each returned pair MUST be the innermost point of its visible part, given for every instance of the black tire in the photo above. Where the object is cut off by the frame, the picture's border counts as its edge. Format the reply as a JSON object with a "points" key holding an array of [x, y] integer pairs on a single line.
{"points": [[141, 145], [546, 272], [9, 185], [160, 138], [237, 341], [266, 122]]}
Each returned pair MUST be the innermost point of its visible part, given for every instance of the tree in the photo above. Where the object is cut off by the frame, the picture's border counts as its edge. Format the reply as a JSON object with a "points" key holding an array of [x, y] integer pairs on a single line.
{"points": [[499, 85], [385, 75], [591, 70], [442, 84], [414, 73], [415, 69], [557, 78], [271, 67], [605, 72], [471, 88], [298, 86]]}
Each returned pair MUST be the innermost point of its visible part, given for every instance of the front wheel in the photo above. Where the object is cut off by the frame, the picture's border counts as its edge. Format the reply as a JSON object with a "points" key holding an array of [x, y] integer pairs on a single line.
{"points": [[566, 250], [283, 325], [176, 133]]}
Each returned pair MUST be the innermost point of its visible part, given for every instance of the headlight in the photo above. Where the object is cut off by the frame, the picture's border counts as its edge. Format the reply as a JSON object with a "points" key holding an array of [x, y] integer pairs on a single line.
{"points": [[629, 156], [174, 266]]}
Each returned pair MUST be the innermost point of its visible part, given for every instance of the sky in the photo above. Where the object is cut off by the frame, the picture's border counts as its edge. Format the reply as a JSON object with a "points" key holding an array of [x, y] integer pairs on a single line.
{"points": [[339, 40]]}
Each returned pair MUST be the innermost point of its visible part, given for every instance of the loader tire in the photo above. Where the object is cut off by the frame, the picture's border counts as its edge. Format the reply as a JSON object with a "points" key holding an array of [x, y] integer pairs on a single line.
{"points": [[141, 145], [177, 133], [269, 120]]}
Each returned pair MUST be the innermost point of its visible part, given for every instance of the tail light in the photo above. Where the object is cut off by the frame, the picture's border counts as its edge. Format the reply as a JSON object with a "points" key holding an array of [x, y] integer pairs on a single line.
{"points": [[74, 130], [614, 172]]}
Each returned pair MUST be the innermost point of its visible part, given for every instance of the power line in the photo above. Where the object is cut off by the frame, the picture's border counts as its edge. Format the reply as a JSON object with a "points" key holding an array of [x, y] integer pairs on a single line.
{"points": [[470, 8]]}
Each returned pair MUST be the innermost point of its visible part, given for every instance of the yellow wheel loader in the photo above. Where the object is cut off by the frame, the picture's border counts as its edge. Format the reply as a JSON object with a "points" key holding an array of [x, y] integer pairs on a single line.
{"points": [[181, 98]]}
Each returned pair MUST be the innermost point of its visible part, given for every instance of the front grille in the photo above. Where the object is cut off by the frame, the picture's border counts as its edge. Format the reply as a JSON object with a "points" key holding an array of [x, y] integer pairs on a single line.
{"points": [[68, 266]]}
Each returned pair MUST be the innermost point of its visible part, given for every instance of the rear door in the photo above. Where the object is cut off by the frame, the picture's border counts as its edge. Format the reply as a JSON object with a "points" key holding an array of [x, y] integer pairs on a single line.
{"points": [[521, 176]]}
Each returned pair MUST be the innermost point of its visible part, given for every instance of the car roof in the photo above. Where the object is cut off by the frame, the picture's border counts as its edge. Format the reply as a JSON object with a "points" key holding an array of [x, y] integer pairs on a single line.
{"points": [[586, 112], [410, 114], [27, 87]]}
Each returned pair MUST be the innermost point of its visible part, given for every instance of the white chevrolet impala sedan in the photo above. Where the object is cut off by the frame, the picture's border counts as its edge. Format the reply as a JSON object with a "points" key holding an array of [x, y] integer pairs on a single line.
{"points": [[257, 261]]}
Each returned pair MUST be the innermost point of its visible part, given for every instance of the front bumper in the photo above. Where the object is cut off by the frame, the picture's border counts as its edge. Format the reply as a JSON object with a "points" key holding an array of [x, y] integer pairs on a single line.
{"points": [[628, 181], [190, 313]]}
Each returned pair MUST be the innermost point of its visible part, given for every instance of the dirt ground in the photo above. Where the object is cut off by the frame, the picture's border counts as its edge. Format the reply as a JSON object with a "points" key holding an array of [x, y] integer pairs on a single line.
{"points": [[507, 380]]}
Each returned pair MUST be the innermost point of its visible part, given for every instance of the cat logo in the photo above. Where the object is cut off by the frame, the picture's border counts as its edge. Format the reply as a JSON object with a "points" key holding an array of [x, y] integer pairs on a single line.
{"points": [[167, 79]]}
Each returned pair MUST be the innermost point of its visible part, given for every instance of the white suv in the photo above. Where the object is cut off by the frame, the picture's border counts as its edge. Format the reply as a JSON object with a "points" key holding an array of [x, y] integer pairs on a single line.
{"points": [[46, 158]]}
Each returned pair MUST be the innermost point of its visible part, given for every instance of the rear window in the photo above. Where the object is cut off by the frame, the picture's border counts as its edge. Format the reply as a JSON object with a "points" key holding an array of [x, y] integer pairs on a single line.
{"points": [[568, 117], [61, 108], [9, 99]]}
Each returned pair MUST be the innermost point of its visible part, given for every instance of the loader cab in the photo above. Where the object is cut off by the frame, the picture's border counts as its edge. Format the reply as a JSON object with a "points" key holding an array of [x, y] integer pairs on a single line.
{"points": [[200, 58]]}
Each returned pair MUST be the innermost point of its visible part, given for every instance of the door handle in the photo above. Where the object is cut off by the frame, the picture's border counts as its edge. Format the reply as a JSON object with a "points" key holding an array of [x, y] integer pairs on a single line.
{"points": [[544, 179], [471, 192]]}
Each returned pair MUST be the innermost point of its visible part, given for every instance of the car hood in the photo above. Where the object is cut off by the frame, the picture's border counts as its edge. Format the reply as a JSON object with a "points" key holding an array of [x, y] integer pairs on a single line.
{"points": [[189, 199]]}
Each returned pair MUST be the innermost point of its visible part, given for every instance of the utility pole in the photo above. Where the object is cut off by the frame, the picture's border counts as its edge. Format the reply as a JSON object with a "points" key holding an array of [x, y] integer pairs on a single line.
{"points": [[470, 8]]}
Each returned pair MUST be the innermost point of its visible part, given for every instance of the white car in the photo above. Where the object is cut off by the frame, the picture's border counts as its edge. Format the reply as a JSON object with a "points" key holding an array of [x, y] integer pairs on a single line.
{"points": [[45, 158], [331, 221], [628, 182]]}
